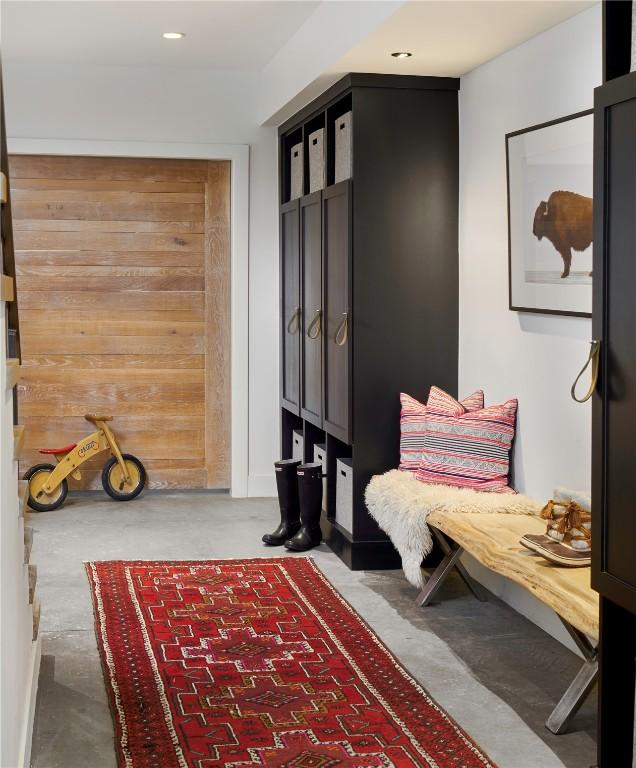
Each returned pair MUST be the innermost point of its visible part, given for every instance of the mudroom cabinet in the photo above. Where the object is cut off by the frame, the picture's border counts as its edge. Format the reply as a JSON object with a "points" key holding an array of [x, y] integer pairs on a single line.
{"points": [[368, 281], [311, 308], [290, 306], [336, 218], [614, 414]]}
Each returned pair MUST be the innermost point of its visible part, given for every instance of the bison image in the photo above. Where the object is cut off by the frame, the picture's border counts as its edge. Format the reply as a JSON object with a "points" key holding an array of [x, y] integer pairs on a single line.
{"points": [[566, 220]]}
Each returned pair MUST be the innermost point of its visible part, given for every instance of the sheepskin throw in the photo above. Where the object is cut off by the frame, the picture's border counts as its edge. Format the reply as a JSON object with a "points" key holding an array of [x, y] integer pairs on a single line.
{"points": [[400, 504]]}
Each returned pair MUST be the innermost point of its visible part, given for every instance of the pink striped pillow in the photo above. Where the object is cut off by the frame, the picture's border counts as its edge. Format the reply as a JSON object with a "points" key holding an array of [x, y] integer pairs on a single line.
{"points": [[441, 402], [470, 449], [413, 423]]}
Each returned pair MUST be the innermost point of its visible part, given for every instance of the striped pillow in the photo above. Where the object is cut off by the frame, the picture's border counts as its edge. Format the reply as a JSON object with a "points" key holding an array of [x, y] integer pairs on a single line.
{"points": [[413, 418], [441, 402], [468, 450]]}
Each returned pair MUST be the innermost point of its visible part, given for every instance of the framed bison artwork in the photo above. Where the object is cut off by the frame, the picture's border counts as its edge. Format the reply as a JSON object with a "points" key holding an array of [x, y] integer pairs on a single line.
{"points": [[550, 216]]}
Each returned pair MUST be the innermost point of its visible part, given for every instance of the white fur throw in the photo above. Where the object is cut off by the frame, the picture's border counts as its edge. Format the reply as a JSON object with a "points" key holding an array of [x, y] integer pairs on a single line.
{"points": [[400, 504]]}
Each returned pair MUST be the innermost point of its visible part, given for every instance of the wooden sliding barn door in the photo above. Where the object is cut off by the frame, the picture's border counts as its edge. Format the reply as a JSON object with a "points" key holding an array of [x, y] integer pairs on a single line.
{"points": [[123, 276]]}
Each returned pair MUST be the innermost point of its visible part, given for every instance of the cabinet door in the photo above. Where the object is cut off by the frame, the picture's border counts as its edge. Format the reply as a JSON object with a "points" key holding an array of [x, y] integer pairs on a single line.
{"points": [[311, 307], [291, 321], [614, 323], [337, 302]]}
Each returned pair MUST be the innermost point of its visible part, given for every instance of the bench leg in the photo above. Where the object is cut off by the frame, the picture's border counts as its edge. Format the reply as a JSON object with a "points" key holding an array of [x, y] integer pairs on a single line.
{"points": [[447, 548], [579, 688], [452, 552]]}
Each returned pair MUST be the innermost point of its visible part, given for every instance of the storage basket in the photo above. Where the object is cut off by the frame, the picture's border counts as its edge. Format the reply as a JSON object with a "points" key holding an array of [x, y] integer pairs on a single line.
{"points": [[296, 171], [343, 143], [344, 494], [320, 457], [317, 160], [298, 442]]}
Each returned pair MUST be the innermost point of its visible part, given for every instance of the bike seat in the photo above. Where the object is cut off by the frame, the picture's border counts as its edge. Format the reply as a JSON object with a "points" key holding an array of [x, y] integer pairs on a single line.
{"points": [[66, 449], [93, 418]]}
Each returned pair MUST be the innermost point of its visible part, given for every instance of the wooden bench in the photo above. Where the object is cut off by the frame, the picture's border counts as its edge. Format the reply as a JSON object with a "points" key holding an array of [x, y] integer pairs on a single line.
{"points": [[493, 540]]}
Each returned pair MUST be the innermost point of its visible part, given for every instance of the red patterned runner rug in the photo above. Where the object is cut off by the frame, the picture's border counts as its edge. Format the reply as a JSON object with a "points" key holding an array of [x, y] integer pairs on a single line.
{"points": [[257, 663]]}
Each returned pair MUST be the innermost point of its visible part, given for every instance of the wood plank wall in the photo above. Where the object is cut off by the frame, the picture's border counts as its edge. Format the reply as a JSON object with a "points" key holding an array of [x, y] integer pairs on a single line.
{"points": [[123, 276]]}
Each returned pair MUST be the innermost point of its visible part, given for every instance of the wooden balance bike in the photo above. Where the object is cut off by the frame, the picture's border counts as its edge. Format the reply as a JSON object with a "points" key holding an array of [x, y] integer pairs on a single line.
{"points": [[123, 476]]}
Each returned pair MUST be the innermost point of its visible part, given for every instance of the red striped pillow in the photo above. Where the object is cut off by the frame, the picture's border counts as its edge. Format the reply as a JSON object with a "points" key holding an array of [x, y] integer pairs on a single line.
{"points": [[413, 423], [441, 402], [468, 450]]}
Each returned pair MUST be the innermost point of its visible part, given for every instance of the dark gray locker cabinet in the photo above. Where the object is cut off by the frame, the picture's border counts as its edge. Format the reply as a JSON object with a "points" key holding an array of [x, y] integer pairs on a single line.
{"points": [[614, 414], [291, 325], [379, 284], [338, 337], [311, 307]]}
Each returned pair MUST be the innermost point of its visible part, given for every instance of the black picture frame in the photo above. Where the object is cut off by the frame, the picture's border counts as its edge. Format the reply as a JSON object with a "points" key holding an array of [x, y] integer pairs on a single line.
{"points": [[539, 126]]}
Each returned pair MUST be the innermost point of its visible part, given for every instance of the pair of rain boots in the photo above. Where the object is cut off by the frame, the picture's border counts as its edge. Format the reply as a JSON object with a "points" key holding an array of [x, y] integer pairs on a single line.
{"points": [[300, 499], [568, 538]]}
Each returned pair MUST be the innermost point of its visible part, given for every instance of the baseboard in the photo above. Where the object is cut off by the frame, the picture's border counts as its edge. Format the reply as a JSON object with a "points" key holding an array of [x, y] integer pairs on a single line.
{"points": [[261, 485], [359, 555], [29, 706]]}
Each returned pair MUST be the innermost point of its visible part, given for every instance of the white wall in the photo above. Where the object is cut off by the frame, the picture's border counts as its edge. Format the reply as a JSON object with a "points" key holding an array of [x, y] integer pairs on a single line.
{"points": [[510, 354], [177, 105], [303, 68]]}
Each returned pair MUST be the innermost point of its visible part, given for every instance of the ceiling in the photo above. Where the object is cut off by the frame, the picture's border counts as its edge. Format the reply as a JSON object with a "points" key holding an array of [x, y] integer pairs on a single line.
{"points": [[289, 50], [450, 38], [225, 35]]}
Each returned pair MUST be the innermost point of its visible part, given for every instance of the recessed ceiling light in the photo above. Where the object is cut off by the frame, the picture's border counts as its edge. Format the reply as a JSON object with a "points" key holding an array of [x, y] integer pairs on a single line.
{"points": [[401, 55], [173, 35]]}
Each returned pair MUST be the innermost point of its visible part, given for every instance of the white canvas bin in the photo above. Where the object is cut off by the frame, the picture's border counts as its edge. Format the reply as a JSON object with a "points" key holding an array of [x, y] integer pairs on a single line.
{"points": [[343, 143], [320, 457], [344, 494], [296, 171], [317, 160], [298, 443]]}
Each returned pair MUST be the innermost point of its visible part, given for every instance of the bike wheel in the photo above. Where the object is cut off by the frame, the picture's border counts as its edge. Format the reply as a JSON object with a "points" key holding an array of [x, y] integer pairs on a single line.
{"points": [[37, 477], [113, 478]]}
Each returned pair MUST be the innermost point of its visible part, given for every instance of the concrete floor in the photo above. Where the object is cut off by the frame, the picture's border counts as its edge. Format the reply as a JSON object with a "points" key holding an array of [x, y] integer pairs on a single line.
{"points": [[495, 672]]}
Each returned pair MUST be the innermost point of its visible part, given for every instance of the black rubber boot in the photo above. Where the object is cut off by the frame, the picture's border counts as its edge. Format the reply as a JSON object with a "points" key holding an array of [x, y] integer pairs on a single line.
{"points": [[310, 493], [287, 485]]}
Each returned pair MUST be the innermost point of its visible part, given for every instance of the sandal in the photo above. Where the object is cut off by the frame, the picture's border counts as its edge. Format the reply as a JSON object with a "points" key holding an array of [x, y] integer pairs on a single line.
{"points": [[568, 538]]}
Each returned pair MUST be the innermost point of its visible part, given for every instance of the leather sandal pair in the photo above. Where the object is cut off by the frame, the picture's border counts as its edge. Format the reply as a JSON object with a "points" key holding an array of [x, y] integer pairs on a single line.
{"points": [[568, 538]]}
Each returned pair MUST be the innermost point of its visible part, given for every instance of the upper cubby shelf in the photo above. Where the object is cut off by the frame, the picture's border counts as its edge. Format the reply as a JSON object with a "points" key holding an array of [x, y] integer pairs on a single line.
{"points": [[317, 146], [317, 152]]}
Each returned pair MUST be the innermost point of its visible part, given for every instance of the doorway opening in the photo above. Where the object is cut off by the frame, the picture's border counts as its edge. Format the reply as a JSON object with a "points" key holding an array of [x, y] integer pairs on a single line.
{"points": [[124, 270]]}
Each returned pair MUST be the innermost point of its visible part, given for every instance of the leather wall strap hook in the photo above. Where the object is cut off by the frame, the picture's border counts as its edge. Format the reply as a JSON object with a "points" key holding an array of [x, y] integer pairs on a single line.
{"points": [[315, 327], [342, 334], [293, 326], [594, 359]]}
